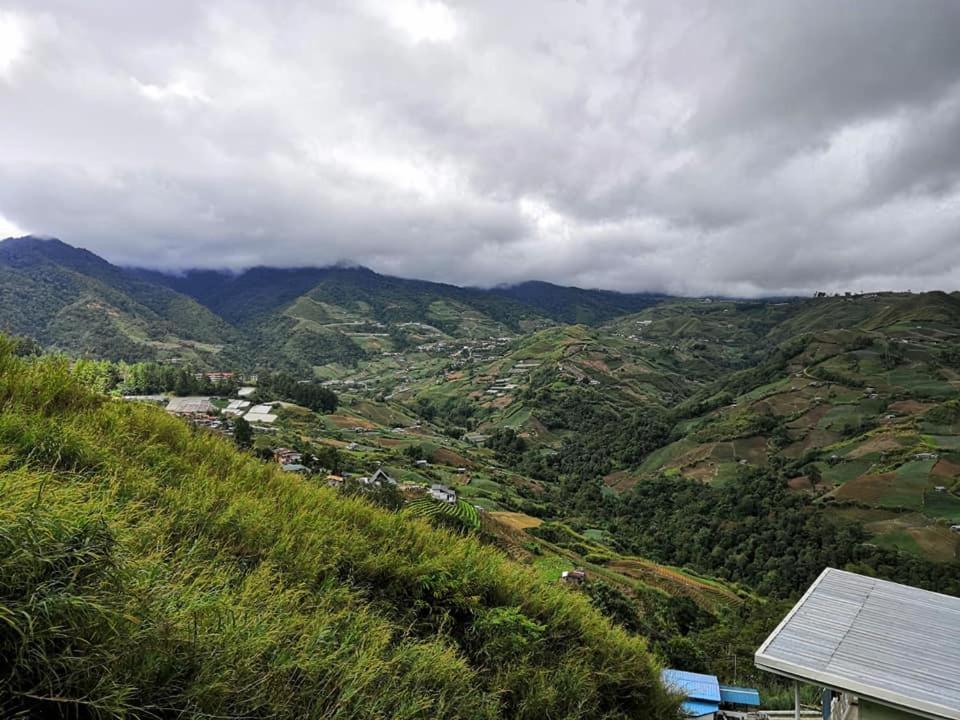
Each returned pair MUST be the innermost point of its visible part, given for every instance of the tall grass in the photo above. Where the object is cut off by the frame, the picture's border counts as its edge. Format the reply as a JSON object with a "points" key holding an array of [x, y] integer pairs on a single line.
{"points": [[147, 570]]}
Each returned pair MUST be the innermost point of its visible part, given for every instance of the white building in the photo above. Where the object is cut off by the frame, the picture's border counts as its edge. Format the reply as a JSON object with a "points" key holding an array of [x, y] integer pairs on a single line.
{"points": [[443, 494]]}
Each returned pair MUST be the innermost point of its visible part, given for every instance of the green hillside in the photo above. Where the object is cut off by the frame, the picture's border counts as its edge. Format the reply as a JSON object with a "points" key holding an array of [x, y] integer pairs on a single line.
{"points": [[72, 300], [148, 570]]}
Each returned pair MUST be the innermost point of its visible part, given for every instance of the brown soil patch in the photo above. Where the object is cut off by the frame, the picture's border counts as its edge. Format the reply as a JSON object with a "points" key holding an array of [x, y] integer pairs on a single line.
{"points": [[449, 457], [694, 456], [389, 442], [332, 443], [867, 488], [819, 439], [810, 418], [620, 480], [596, 365], [937, 543], [877, 443], [704, 472], [800, 483], [342, 420], [516, 520], [945, 468], [458, 375], [502, 402], [787, 403], [909, 407], [674, 582]]}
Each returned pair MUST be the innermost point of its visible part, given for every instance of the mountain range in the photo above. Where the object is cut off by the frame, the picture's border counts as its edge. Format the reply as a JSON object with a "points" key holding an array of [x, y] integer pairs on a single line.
{"points": [[72, 300]]}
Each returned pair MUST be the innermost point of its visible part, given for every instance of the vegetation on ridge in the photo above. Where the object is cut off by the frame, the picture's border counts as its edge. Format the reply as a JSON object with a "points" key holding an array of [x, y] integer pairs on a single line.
{"points": [[149, 570]]}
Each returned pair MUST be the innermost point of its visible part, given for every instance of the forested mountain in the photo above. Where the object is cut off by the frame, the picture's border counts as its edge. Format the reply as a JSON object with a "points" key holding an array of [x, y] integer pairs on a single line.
{"points": [[574, 305], [255, 292], [70, 299], [296, 318]]}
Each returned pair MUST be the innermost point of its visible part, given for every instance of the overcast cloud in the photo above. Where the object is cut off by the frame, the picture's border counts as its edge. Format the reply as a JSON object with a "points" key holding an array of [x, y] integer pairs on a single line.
{"points": [[737, 146]]}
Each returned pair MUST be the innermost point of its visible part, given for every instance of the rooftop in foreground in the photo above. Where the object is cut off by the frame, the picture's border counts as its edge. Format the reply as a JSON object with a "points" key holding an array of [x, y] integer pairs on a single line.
{"points": [[891, 643]]}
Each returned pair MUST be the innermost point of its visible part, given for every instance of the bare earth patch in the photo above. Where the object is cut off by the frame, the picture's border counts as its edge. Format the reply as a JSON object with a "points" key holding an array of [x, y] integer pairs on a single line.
{"points": [[705, 472], [945, 468], [342, 420], [867, 488], [516, 520], [937, 543], [909, 407], [876, 444], [810, 418], [620, 480], [449, 457]]}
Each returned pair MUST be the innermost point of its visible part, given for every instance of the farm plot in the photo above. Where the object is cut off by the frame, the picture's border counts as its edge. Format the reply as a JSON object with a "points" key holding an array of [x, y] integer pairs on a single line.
{"points": [[904, 488], [843, 472], [427, 507]]}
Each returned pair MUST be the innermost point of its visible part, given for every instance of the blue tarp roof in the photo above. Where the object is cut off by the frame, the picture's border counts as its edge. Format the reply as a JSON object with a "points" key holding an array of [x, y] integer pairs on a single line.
{"points": [[739, 696], [693, 685], [698, 708]]}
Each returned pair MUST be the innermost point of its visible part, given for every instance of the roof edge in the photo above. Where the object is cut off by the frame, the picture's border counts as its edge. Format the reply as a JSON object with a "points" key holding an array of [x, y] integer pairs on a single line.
{"points": [[923, 708], [789, 615]]}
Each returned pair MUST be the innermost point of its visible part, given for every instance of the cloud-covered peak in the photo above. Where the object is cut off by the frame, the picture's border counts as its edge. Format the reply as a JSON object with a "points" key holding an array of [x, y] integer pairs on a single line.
{"points": [[689, 147]]}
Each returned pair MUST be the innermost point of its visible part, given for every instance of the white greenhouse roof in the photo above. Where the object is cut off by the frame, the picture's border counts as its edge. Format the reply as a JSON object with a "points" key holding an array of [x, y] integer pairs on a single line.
{"points": [[895, 644]]}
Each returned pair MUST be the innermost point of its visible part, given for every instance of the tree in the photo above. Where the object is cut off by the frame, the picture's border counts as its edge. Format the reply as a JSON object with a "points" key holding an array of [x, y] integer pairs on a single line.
{"points": [[242, 433]]}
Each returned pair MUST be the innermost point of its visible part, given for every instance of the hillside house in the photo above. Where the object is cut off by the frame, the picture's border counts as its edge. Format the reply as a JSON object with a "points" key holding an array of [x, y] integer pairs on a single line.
{"points": [[443, 494], [573, 577], [295, 468], [378, 479], [705, 697], [885, 651], [286, 456], [218, 376]]}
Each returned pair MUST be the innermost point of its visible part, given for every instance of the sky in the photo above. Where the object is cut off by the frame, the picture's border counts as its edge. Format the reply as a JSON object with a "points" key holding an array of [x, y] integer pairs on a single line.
{"points": [[737, 147]]}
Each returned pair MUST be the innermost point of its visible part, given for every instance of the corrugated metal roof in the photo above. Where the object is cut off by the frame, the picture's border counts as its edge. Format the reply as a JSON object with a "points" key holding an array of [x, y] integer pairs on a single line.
{"points": [[895, 644], [693, 685], [739, 696]]}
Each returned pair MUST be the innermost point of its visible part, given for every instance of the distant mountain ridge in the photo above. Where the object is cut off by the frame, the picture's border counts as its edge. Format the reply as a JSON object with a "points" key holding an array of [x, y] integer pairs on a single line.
{"points": [[73, 300], [221, 290]]}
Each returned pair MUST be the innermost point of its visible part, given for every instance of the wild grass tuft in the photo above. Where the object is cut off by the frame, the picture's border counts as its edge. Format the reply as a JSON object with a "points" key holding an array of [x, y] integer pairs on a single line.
{"points": [[150, 571]]}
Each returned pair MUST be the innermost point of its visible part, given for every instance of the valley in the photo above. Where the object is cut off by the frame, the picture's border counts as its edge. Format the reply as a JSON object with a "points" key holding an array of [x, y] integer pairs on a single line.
{"points": [[698, 460]]}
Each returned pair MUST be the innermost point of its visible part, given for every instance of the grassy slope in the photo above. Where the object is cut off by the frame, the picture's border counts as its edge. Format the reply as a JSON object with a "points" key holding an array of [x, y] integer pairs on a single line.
{"points": [[150, 570]]}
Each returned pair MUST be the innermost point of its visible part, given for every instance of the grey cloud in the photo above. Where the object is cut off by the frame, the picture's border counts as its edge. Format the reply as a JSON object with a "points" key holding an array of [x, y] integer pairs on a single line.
{"points": [[694, 147]]}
